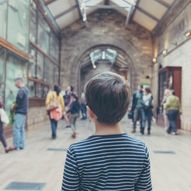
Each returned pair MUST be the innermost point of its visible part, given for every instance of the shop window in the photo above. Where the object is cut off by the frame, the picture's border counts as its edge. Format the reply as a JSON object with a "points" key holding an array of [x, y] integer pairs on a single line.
{"points": [[18, 20], [40, 65], [15, 68], [43, 34], [2, 72], [3, 22], [31, 86]]}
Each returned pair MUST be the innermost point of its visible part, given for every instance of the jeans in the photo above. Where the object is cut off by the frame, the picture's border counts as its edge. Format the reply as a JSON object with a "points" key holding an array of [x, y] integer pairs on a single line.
{"points": [[148, 118], [54, 125], [172, 117], [139, 113], [2, 136], [84, 111], [19, 131], [73, 119]]}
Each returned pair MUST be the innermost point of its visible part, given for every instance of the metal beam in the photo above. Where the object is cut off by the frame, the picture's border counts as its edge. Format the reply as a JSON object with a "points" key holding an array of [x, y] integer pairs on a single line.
{"points": [[47, 2], [131, 15], [66, 12], [79, 9], [107, 7], [164, 3], [147, 14]]}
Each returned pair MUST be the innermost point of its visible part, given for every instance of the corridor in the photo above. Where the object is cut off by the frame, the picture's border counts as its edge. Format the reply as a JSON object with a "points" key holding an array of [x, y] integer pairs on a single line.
{"points": [[43, 160]]}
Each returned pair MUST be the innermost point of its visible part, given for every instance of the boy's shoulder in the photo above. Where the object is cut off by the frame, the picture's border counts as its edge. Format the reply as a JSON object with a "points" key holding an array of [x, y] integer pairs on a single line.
{"points": [[93, 140]]}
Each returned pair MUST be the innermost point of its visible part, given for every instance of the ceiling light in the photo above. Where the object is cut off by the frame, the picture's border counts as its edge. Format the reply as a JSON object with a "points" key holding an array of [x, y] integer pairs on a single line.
{"points": [[154, 60], [164, 52], [187, 34]]}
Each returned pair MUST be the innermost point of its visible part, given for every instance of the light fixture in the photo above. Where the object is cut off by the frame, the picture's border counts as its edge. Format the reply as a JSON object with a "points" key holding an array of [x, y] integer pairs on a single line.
{"points": [[187, 33], [94, 66], [154, 60], [164, 52]]}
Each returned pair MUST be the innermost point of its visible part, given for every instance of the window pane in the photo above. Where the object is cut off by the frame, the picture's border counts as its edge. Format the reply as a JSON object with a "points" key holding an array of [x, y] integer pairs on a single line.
{"points": [[3, 23], [31, 86], [43, 34], [56, 76], [40, 65], [32, 64], [18, 23], [54, 47], [33, 24], [15, 68], [2, 76]]}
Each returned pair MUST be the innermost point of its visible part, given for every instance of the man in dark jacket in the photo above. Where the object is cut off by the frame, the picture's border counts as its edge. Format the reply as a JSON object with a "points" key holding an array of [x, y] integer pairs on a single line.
{"points": [[21, 109], [138, 109]]}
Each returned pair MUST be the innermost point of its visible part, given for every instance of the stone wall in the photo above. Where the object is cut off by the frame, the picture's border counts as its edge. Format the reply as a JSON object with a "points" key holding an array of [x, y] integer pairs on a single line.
{"points": [[105, 28], [173, 39], [36, 116]]}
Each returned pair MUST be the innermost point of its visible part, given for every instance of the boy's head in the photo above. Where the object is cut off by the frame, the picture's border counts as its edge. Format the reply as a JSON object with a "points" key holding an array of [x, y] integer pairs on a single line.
{"points": [[107, 97]]}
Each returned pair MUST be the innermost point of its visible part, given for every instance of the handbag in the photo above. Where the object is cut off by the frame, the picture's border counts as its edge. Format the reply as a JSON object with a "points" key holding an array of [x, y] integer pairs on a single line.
{"points": [[3, 117], [130, 115], [53, 104]]}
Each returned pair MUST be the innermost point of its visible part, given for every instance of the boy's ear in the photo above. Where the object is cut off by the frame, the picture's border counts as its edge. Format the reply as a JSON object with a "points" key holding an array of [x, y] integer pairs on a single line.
{"points": [[92, 115]]}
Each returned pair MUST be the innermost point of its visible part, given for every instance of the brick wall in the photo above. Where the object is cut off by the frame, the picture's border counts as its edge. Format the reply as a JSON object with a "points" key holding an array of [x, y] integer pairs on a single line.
{"points": [[105, 27]]}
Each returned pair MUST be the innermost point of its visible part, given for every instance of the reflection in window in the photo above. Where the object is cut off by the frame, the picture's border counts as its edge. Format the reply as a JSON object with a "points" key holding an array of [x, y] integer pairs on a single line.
{"points": [[40, 65], [3, 23], [2, 76], [31, 86], [15, 68], [18, 20], [43, 34]]}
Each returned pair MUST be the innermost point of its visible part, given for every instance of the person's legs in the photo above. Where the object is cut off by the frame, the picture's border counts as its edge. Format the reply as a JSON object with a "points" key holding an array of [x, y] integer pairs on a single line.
{"points": [[173, 121], [2, 137], [73, 124], [53, 127], [135, 118], [22, 131], [149, 119], [17, 131], [170, 121], [142, 120]]}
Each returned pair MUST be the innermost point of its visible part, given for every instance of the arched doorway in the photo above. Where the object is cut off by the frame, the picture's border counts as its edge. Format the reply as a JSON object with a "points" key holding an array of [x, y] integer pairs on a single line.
{"points": [[101, 58]]}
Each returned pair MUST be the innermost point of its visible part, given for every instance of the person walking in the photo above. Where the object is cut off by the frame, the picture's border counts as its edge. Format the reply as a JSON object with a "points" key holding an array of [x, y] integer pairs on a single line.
{"points": [[138, 109], [4, 121], [147, 99], [110, 160], [55, 108], [83, 106], [74, 113], [172, 107], [21, 109]]}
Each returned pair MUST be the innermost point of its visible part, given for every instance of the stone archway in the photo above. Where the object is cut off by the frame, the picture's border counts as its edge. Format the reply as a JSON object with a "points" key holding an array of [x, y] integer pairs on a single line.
{"points": [[123, 66]]}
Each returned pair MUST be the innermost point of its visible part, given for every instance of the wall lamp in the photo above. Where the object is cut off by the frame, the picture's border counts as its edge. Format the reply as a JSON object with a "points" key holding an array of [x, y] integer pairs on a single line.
{"points": [[164, 52], [154, 60], [187, 33]]}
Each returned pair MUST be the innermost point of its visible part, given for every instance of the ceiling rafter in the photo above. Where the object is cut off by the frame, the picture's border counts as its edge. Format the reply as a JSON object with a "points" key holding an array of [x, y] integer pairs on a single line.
{"points": [[147, 14], [66, 11], [165, 4], [131, 15], [47, 2], [79, 9]]}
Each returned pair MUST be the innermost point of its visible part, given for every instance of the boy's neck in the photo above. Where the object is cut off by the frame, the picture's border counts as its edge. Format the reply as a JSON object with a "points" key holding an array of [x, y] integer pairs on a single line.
{"points": [[103, 129]]}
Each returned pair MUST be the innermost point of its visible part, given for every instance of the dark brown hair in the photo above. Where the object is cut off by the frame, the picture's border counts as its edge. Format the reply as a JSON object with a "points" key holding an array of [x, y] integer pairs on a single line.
{"points": [[107, 97]]}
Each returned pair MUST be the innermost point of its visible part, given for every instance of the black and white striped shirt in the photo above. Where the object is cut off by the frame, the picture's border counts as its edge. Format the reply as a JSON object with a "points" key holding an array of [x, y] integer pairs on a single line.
{"points": [[107, 162]]}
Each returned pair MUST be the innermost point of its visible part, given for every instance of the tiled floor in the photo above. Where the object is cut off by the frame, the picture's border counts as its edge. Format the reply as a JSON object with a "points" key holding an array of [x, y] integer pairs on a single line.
{"points": [[43, 159]]}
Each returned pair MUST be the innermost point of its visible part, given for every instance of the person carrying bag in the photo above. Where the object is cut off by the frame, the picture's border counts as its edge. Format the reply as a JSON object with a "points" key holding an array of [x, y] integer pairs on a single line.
{"points": [[55, 108]]}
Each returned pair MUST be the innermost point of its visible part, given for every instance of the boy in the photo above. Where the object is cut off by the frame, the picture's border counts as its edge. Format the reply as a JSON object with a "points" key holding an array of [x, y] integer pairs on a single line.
{"points": [[110, 159]]}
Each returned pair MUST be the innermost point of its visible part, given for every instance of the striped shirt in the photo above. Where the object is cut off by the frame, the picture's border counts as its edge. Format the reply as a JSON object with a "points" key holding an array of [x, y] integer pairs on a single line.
{"points": [[107, 162]]}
